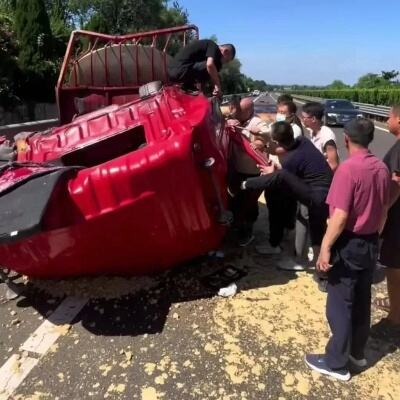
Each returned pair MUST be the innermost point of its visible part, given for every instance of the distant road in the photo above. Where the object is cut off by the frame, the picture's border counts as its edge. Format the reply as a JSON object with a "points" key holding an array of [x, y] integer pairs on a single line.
{"points": [[381, 144]]}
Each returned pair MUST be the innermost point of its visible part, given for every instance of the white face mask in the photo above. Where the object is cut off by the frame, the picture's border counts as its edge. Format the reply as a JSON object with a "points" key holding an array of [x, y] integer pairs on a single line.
{"points": [[280, 117]]}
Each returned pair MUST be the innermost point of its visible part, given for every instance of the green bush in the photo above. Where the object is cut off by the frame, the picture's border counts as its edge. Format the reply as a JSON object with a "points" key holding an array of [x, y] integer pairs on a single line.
{"points": [[383, 97]]}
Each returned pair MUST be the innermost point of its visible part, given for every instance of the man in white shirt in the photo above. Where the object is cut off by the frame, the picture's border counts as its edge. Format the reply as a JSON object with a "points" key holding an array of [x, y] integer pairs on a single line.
{"points": [[323, 138]]}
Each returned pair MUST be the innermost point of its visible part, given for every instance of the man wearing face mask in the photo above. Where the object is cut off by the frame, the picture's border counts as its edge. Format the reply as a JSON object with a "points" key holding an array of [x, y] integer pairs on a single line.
{"points": [[287, 111]]}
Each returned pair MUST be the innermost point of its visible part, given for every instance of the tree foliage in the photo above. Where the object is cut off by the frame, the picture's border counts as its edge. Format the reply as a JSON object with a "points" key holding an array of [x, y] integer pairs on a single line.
{"points": [[338, 84], [9, 70], [34, 35], [389, 75], [32, 26]]}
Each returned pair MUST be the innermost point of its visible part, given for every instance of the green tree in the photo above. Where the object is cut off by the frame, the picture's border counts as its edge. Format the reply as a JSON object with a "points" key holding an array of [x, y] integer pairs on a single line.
{"points": [[38, 68], [260, 85], [232, 80], [60, 24], [389, 75], [9, 71], [32, 26], [175, 15], [123, 16], [371, 81], [338, 84]]}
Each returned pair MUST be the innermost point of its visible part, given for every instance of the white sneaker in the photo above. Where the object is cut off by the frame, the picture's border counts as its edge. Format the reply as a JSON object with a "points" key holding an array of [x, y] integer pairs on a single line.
{"points": [[311, 255], [288, 264], [362, 363], [267, 249]]}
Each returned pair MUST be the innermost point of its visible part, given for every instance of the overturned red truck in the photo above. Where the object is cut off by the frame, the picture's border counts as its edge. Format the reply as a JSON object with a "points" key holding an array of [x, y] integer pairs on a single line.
{"points": [[133, 181]]}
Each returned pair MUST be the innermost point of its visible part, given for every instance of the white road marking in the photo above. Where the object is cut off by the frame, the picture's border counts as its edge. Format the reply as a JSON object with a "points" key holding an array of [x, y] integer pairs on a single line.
{"points": [[17, 367], [382, 129], [13, 372], [47, 333], [258, 97]]}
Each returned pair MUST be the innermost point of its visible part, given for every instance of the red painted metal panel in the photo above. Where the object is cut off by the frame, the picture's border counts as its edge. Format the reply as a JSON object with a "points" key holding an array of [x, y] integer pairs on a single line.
{"points": [[119, 216]]}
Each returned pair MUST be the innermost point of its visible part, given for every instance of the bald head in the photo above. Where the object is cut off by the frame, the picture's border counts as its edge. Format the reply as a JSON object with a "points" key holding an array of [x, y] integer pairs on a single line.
{"points": [[246, 109]]}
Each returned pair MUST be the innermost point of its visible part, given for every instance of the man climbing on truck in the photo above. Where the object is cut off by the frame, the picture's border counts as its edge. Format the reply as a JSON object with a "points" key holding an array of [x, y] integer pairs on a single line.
{"points": [[200, 62]]}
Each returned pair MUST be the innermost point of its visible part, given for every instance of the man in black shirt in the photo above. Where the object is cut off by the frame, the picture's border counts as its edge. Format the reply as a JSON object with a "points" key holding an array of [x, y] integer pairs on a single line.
{"points": [[305, 175], [199, 62], [390, 250]]}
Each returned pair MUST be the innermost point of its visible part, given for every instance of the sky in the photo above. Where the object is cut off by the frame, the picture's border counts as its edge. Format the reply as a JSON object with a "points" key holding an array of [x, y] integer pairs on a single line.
{"points": [[309, 42]]}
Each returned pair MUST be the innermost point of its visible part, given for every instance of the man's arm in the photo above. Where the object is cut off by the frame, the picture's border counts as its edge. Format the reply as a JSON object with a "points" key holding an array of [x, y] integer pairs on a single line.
{"points": [[332, 156], [394, 189], [213, 72], [336, 226], [394, 195], [260, 182]]}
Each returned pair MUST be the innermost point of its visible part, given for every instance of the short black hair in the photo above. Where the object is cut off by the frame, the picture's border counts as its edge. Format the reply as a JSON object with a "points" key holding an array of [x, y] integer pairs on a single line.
{"points": [[291, 106], [231, 47], [314, 109], [360, 131], [282, 132], [284, 98]]}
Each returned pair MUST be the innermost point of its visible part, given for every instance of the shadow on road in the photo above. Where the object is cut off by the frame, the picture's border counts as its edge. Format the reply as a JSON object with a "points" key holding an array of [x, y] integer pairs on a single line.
{"points": [[146, 311]]}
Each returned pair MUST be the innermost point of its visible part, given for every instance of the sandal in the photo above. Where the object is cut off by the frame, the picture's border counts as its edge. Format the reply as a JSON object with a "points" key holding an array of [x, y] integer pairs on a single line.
{"points": [[382, 303]]}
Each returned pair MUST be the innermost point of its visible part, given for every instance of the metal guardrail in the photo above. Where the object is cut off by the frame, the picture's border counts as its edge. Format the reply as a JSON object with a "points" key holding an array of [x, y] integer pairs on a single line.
{"points": [[370, 109], [32, 126], [228, 97]]}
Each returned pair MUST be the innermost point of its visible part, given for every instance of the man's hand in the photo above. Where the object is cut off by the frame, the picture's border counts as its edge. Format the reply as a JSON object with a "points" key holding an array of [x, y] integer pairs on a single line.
{"points": [[265, 170], [324, 259], [331, 156]]}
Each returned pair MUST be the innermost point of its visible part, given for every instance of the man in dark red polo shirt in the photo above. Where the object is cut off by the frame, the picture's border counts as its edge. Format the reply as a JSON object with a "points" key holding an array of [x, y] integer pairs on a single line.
{"points": [[358, 201]]}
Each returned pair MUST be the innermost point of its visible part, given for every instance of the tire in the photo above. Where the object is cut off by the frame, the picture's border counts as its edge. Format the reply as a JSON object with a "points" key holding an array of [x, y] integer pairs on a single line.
{"points": [[150, 89]]}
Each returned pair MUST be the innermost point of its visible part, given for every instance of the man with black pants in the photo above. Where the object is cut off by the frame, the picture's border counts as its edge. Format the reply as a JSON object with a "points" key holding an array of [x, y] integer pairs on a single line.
{"points": [[199, 62], [390, 250], [358, 201], [244, 205], [305, 176]]}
